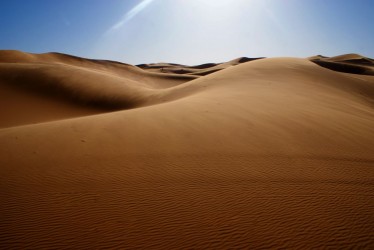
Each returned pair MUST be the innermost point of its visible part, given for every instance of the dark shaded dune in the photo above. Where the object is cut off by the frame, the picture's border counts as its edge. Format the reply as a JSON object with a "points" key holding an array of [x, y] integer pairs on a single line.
{"points": [[345, 67], [317, 57], [172, 66], [205, 72], [354, 59], [214, 67], [183, 70], [362, 61], [196, 70], [168, 68], [186, 71], [203, 66], [21, 106], [159, 65], [225, 65], [143, 65], [177, 70], [246, 59], [81, 86], [146, 66], [175, 78]]}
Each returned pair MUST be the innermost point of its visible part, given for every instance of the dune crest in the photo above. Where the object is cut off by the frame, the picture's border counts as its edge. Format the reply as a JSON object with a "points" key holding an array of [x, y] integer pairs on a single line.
{"points": [[251, 153]]}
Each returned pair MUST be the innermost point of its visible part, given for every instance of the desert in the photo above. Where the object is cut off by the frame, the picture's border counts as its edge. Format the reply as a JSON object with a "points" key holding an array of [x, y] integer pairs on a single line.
{"points": [[254, 153]]}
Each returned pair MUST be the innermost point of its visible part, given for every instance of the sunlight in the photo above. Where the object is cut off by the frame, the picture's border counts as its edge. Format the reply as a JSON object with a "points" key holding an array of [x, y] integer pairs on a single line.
{"points": [[213, 10], [130, 14]]}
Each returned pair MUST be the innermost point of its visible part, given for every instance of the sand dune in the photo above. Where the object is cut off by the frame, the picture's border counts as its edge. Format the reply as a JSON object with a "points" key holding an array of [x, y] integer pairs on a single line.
{"points": [[197, 70], [70, 86], [259, 154], [349, 63]]}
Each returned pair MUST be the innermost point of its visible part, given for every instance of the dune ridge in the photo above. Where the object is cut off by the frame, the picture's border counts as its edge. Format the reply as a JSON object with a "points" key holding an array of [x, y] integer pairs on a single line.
{"points": [[348, 63], [71, 83], [259, 154]]}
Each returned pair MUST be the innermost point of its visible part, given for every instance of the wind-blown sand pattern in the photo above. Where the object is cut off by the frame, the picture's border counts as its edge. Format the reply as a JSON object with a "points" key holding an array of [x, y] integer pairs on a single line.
{"points": [[257, 154]]}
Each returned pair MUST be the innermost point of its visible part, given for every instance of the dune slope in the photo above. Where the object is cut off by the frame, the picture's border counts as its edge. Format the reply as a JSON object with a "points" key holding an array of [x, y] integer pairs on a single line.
{"points": [[271, 153], [38, 88]]}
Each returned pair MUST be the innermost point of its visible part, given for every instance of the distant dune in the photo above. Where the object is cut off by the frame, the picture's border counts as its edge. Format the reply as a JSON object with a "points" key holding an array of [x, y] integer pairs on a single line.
{"points": [[350, 63], [254, 153]]}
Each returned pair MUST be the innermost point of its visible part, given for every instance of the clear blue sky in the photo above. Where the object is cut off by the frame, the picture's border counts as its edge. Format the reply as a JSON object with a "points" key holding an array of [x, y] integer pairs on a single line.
{"points": [[188, 31]]}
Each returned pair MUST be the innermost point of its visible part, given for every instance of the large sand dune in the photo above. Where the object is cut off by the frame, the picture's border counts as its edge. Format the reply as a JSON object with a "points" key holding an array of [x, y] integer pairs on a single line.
{"points": [[257, 154]]}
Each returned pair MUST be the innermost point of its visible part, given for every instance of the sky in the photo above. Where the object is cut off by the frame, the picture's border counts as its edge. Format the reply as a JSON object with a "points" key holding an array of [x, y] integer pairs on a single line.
{"points": [[188, 31]]}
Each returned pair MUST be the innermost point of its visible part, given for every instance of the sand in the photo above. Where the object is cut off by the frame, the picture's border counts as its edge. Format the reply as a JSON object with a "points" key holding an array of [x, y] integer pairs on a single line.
{"points": [[251, 153]]}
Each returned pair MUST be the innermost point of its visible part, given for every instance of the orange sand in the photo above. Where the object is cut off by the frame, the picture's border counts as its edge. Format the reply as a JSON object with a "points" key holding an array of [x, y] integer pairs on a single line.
{"points": [[266, 153]]}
